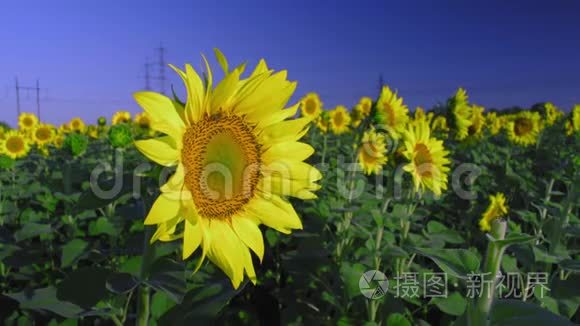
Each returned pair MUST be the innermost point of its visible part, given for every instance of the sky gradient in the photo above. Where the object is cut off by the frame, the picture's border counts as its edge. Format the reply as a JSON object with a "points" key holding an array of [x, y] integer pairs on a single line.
{"points": [[90, 56]]}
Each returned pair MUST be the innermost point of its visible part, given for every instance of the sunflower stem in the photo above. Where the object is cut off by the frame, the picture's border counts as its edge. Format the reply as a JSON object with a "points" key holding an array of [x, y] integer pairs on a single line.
{"points": [[144, 291], [480, 317]]}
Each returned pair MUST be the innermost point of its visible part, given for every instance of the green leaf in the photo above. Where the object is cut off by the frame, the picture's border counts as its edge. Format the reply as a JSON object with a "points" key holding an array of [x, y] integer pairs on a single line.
{"points": [[570, 265], [438, 231], [121, 282], [201, 305], [102, 226], [517, 312], [515, 238], [31, 230], [45, 299], [397, 319], [168, 276], [454, 304], [84, 287], [160, 304], [457, 262], [72, 251], [351, 275]]}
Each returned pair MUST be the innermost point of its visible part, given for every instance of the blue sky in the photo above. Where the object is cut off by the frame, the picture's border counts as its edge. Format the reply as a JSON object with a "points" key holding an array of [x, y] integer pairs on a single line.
{"points": [[89, 56]]}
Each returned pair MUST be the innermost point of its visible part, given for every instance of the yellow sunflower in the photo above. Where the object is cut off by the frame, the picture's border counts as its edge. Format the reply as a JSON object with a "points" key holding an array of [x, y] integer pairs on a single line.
{"points": [[77, 124], [311, 106], [64, 128], [573, 123], [237, 160], [121, 117], [59, 139], [461, 112], [322, 122], [477, 122], [372, 154], [27, 121], [2, 132], [494, 123], [419, 114], [497, 209], [339, 120], [364, 106], [142, 120], [428, 162], [523, 128], [392, 112], [552, 113], [43, 134], [14, 145], [93, 131], [439, 124]]}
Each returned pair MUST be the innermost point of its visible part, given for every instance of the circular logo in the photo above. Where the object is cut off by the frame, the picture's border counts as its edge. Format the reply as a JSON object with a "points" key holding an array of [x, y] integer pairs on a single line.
{"points": [[373, 284]]}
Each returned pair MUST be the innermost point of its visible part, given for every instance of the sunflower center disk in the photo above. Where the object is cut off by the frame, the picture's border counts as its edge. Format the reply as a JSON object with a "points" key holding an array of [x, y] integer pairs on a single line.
{"points": [[523, 126], [14, 145], [43, 134], [222, 165], [310, 106], [423, 160], [370, 153]]}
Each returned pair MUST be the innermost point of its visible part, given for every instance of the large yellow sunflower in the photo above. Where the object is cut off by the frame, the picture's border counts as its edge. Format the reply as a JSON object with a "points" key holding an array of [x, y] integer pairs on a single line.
{"points": [[14, 145], [339, 120], [461, 112], [552, 113], [523, 128], [372, 154], [27, 121], [428, 162], [77, 124], [496, 209], [238, 159], [121, 117], [311, 106], [392, 112], [43, 134]]}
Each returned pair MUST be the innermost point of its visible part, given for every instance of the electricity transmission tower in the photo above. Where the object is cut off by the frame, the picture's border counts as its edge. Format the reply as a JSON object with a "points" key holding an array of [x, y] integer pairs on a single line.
{"points": [[27, 89], [160, 64]]}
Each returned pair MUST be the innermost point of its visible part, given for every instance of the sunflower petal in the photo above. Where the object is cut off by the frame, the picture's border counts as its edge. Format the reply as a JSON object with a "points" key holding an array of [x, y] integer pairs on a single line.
{"points": [[192, 237], [164, 209], [249, 232], [161, 150]]}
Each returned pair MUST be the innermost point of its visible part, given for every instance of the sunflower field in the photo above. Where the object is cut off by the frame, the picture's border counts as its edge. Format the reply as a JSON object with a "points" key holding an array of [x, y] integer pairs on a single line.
{"points": [[231, 206]]}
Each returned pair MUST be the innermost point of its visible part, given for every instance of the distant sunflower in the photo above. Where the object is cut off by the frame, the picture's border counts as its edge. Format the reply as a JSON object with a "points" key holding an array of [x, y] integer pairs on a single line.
{"points": [[552, 113], [497, 209], [364, 106], [392, 112], [419, 114], [428, 162], [64, 128], [77, 124], [27, 121], [573, 123], [477, 122], [323, 122], [93, 131], [238, 158], [14, 145], [372, 152], [311, 106], [339, 120], [439, 124], [523, 128], [461, 113], [43, 134], [59, 139], [2, 132], [494, 123], [143, 120], [121, 117]]}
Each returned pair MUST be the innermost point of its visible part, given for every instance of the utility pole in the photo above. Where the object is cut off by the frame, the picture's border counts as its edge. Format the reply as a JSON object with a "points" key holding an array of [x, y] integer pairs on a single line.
{"points": [[36, 89], [147, 75], [160, 63]]}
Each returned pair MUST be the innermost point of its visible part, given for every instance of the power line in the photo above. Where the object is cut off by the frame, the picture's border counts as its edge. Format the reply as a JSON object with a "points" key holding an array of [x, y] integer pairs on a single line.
{"points": [[160, 64]]}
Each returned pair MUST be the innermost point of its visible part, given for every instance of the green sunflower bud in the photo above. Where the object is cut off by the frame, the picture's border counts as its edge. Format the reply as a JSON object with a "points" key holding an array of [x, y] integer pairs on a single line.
{"points": [[120, 135], [76, 143], [102, 121]]}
